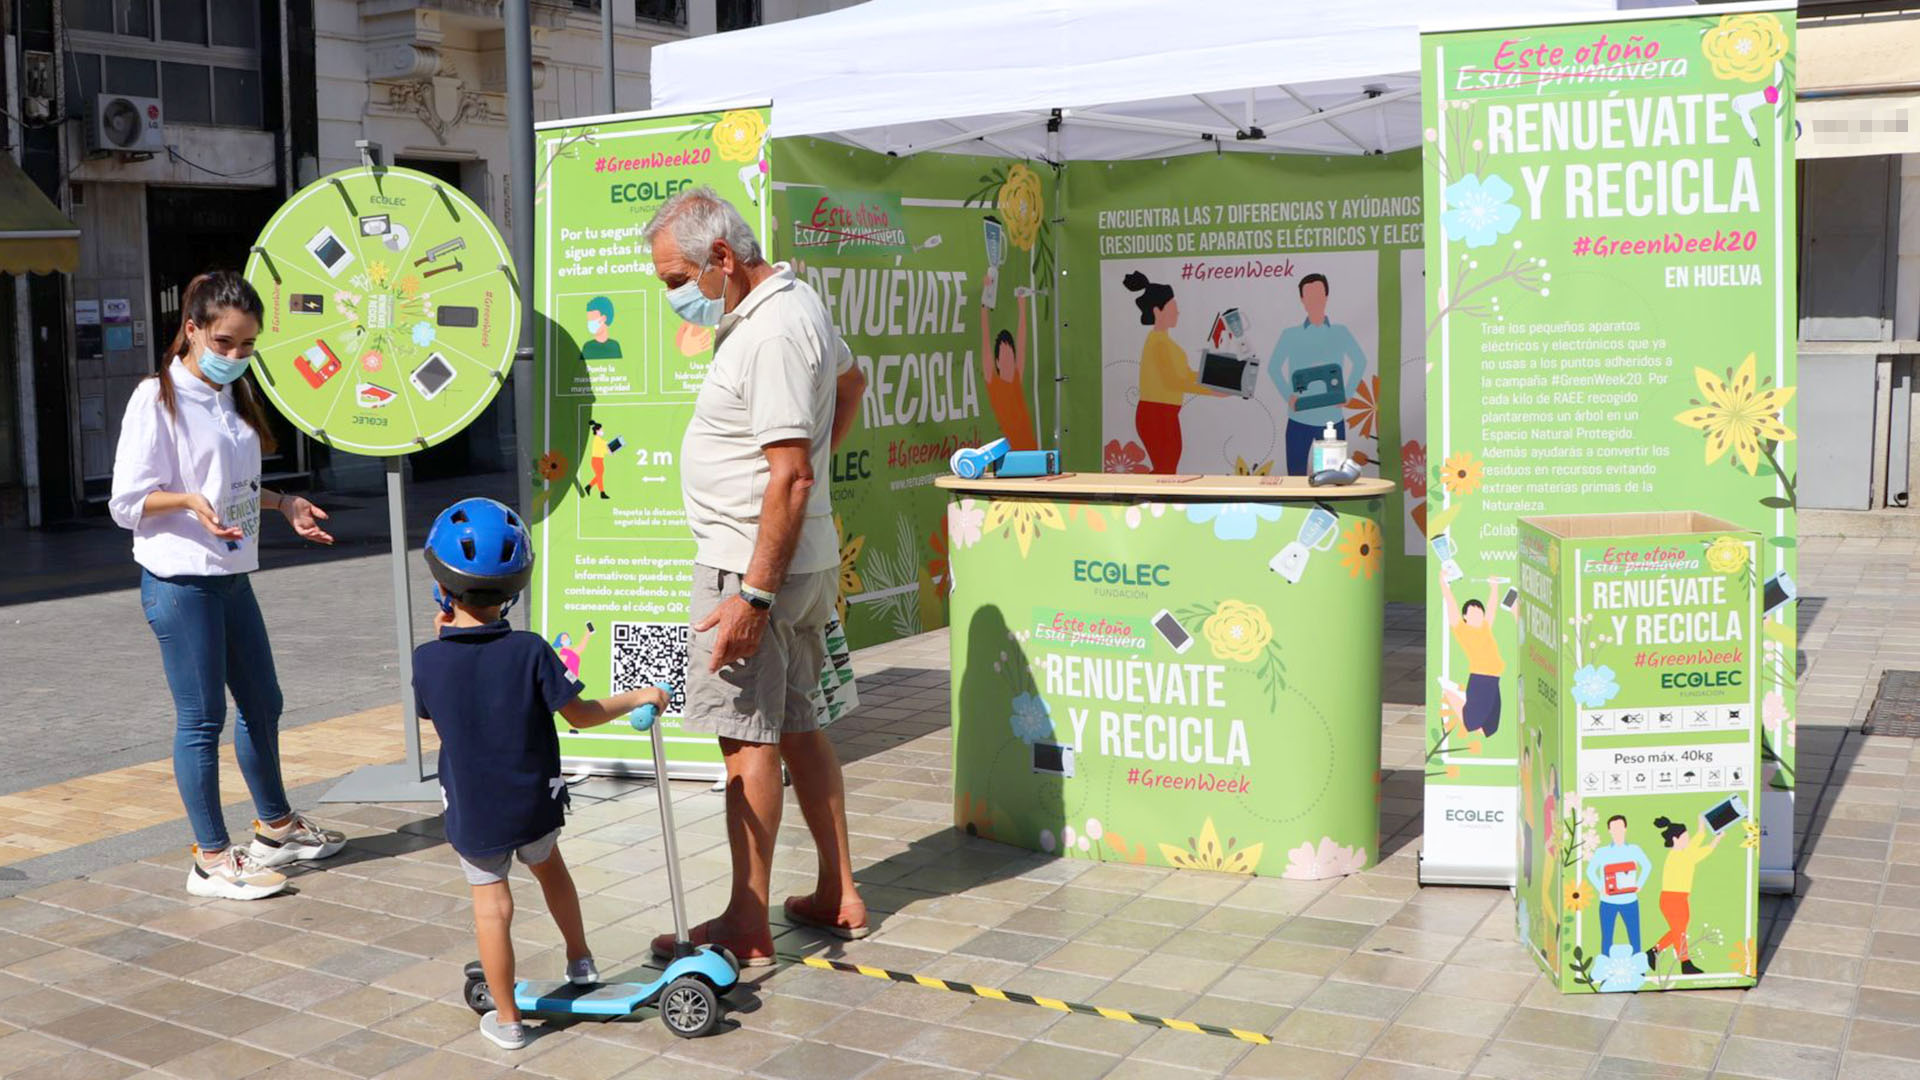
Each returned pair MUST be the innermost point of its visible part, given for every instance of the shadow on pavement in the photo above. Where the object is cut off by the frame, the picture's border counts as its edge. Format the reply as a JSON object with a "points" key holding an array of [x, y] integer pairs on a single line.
{"points": [[94, 555]]}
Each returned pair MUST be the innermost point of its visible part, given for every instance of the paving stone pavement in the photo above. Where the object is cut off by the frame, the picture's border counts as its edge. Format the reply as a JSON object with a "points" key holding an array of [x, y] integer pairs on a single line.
{"points": [[120, 973]]}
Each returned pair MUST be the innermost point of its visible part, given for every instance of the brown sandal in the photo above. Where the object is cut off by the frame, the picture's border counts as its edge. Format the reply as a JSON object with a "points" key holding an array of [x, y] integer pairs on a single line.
{"points": [[703, 935], [833, 926]]}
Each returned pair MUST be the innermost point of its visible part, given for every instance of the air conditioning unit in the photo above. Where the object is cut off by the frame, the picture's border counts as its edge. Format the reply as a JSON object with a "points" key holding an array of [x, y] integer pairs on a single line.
{"points": [[126, 125]]}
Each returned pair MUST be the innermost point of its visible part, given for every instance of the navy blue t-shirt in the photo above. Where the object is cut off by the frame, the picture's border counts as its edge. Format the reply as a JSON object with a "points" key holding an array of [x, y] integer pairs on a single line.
{"points": [[491, 692]]}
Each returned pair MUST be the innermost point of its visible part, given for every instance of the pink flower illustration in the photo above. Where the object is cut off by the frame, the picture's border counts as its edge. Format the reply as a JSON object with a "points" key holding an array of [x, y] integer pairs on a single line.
{"points": [[965, 522], [1326, 860]]}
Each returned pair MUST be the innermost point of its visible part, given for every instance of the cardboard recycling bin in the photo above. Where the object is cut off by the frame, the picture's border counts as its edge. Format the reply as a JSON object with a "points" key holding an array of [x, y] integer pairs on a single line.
{"points": [[1640, 750]]}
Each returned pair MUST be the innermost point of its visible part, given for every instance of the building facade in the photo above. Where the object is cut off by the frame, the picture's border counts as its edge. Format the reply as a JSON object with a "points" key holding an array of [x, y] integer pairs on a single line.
{"points": [[255, 99]]}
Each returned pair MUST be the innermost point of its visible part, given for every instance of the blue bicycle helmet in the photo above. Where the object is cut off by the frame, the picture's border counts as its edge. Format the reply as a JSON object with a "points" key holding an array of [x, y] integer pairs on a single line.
{"points": [[480, 552]]}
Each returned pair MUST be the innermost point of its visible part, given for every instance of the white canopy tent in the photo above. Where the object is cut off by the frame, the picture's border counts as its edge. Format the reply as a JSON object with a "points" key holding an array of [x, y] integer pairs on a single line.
{"points": [[1067, 80]]}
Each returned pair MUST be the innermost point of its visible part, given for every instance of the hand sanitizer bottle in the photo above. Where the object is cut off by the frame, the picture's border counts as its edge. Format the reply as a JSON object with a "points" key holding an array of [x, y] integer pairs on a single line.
{"points": [[1329, 451]]}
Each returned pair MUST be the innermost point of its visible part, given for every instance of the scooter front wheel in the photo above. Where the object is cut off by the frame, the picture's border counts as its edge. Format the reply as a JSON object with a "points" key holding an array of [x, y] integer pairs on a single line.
{"points": [[689, 1007], [479, 997]]}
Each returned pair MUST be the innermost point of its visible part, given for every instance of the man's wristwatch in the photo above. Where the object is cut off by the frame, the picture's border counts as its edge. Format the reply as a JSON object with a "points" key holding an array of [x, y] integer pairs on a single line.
{"points": [[758, 598]]}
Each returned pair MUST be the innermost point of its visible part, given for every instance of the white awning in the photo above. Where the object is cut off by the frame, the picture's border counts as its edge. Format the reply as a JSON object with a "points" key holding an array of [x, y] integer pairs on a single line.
{"points": [[1090, 79]]}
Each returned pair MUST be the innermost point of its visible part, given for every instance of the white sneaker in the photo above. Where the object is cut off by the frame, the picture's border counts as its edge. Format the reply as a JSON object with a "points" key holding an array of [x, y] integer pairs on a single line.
{"points": [[297, 840], [582, 972], [232, 874], [505, 1036]]}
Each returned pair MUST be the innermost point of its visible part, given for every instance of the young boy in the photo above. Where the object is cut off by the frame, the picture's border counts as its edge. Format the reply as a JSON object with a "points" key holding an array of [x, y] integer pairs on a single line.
{"points": [[491, 692]]}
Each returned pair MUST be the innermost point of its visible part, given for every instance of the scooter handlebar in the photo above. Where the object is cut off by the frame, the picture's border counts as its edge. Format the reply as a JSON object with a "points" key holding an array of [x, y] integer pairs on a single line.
{"points": [[643, 717]]}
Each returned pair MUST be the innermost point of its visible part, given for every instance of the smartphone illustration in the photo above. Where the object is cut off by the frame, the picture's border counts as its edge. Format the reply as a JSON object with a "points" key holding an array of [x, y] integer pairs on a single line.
{"points": [[452, 315], [1511, 601], [589, 627], [1778, 592], [433, 376], [1053, 759], [1724, 815], [329, 252], [1172, 632]]}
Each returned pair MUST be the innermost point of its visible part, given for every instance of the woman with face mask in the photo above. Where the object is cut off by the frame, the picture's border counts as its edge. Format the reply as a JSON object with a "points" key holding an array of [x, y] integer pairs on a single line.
{"points": [[186, 481]]}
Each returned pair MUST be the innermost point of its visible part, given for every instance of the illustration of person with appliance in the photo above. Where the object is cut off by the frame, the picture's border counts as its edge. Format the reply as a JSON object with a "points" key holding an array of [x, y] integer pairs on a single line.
{"points": [[1686, 850], [1617, 872], [1316, 365]]}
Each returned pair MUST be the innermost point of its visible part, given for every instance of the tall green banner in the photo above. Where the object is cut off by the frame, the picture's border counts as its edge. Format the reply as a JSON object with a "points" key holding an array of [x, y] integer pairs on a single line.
{"points": [[619, 374], [1225, 308], [1610, 313], [935, 269]]}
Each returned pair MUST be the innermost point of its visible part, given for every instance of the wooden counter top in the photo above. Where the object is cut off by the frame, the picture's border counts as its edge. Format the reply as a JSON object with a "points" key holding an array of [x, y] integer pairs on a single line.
{"points": [[1146, 487]]}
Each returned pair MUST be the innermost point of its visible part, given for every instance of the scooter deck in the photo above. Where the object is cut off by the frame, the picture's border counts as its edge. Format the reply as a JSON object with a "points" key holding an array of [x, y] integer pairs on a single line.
{"points": [[565, 998]]}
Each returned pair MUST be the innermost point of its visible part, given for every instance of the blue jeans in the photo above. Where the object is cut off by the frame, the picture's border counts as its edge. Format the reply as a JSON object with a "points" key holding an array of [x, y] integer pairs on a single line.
{"points": [[212, 640], [1629, 916], [1300, 440]]}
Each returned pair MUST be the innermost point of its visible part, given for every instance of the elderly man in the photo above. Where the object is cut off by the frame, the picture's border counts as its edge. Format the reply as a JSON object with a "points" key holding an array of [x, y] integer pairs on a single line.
{"points": [[781, 392]]}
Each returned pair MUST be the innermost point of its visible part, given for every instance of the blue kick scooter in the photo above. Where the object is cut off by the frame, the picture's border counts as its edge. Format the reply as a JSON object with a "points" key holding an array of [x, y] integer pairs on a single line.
{"points": [[687, 993]]}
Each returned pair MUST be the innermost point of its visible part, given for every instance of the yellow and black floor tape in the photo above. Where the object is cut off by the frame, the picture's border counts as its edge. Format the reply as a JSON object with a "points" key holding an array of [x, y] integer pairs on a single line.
{"points": [[1055, 1004]]}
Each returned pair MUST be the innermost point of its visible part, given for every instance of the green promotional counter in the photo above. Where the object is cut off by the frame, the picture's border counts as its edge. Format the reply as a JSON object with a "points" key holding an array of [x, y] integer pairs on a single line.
{"points": [[1175, 671]]}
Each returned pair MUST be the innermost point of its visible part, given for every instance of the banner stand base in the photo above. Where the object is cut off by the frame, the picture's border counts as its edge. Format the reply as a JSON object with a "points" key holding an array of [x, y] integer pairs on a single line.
{"points": [[387, 783], [1437, 874], [1779, 882], [643, 770]]}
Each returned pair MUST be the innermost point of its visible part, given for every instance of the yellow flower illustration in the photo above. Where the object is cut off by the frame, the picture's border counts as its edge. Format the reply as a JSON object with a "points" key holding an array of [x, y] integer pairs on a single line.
{"points": [[1242, 468], [1745, 47], [1737, 414], [1461, 473], [1238, 631], [377, 272], [1745, 958], [850, 582], [1024, 518], [1577, 895], [1553, 556], [1749, 834], [737, 135], [1021, 205], [1360, 549], [1726, 556], [1208, 853]]}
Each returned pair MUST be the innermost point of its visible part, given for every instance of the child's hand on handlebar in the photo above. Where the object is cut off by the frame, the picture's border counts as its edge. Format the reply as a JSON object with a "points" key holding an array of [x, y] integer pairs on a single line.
{"points": [[649, 695]]}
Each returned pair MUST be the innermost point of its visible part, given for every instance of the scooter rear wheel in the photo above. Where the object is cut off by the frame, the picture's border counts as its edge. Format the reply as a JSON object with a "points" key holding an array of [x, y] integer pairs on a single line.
{"points": [[479, 997], [689, 1007]]}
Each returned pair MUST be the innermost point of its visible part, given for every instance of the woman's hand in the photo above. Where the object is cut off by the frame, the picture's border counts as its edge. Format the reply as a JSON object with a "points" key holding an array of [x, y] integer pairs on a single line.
{"points": [[199, 507], [305, 518]]}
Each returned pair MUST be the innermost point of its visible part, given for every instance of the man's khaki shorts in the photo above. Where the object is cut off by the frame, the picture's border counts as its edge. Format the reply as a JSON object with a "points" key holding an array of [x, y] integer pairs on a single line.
{"points": [[769, 694]]}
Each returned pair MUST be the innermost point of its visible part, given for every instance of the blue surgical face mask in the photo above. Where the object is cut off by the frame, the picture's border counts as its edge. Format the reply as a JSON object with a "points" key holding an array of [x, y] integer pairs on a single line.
{"points": [[222, 369], [697, 307]]}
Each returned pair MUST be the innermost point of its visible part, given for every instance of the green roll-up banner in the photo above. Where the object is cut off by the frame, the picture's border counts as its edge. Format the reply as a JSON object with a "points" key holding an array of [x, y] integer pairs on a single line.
{"points": [[1611, 304], [1178, 683], [619, 372], [935, 269]]}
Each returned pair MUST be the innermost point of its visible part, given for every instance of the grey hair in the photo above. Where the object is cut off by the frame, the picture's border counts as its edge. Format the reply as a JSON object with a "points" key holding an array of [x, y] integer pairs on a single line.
{"points": [[699, 216]]}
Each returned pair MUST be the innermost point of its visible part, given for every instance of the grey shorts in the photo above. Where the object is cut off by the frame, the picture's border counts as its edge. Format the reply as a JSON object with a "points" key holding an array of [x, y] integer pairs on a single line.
{"points": [[769, 694], [487, 869]]}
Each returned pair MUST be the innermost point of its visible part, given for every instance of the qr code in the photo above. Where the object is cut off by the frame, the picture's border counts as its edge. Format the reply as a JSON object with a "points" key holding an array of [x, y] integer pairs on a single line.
{"points": [[649, 653]]}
